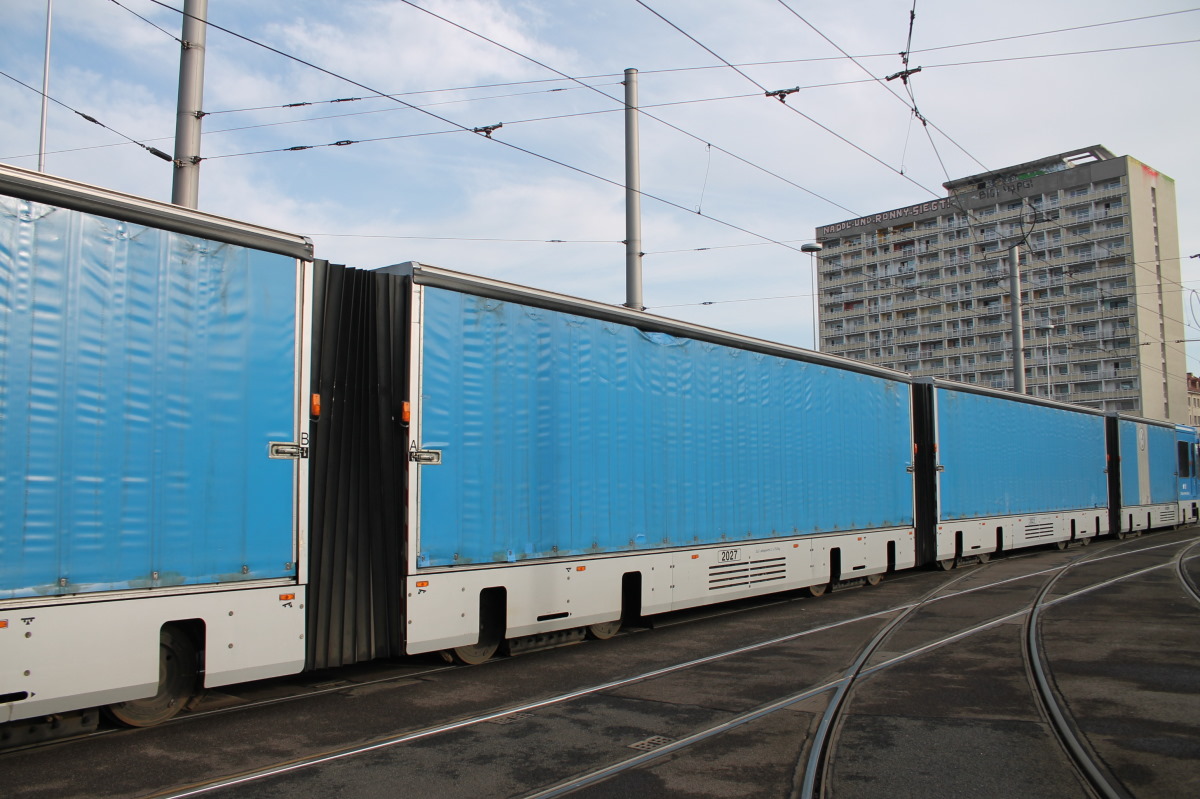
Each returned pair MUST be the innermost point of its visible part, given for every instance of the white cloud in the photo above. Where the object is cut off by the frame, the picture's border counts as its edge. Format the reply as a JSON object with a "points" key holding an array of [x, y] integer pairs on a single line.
{"points": [[121, 70]]}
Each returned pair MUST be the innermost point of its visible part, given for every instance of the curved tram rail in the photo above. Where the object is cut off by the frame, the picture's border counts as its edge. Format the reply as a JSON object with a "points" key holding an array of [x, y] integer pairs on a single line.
{"points": [[1067, 733], [809, 772]]}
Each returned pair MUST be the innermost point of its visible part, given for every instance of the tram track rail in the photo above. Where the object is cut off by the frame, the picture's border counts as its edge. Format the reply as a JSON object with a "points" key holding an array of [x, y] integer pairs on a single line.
{"points": [[809, 780], [891, 617], [1065, 730], [1185, 578]]}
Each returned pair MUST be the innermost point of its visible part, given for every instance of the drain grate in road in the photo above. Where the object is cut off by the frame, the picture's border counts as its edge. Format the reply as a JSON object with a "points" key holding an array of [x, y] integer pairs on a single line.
{"points": [[652, 743], [511, 718]]}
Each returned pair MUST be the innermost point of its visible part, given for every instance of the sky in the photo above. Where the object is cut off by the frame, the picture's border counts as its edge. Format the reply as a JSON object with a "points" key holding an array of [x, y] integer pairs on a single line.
{"points": [[734, 181]]}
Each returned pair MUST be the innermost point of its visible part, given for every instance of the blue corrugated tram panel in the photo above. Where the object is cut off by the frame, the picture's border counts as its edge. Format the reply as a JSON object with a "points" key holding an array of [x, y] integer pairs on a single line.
{"points": [[1164, 465], [1127, 438], [1003, 457], [142, 374], [564, 435], [1149, 463]]}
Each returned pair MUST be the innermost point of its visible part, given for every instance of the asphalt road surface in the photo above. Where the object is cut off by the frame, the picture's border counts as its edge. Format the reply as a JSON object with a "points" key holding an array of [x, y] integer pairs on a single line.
{"points": [[924, 686]]}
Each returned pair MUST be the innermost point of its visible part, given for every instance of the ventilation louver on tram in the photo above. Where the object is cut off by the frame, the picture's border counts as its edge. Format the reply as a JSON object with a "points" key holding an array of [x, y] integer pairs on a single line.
{"points": [[746, 573]]}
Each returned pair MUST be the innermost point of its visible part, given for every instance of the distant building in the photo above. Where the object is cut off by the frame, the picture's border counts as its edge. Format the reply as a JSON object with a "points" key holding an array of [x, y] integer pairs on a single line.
{"points": [[925, 288], [1193, 393]]}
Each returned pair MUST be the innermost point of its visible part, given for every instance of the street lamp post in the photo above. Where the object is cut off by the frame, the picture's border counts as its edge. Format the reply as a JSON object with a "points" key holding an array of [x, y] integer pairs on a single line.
{"points": [[812, 248]]}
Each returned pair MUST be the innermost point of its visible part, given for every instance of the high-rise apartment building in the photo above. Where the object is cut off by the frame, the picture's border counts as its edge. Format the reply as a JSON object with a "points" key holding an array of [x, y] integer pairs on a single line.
{"points": [[925, 288]]}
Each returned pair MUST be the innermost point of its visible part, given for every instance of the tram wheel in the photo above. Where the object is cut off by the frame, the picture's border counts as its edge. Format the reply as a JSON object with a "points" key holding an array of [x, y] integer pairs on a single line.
{"points": [[818, 590], [176, 684], [984, 557], [1060, 545], [948, 563], [874, 579], [474, 654], [604, 630]]}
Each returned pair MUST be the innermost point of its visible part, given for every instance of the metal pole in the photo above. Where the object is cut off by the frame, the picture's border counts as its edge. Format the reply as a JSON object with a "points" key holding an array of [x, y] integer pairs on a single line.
{"points": [[1049, 388], [185, 187], [812, 249], [812, 261], [1018, 348], [633, 197], [45, 90]]}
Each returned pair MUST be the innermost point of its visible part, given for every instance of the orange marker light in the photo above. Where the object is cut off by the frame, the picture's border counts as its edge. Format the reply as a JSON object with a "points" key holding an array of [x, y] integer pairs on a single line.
{"points": [[581, 568], [286, 597], [695, 557], [406, 412], [422, 583], [3, 624], [315, 405]]}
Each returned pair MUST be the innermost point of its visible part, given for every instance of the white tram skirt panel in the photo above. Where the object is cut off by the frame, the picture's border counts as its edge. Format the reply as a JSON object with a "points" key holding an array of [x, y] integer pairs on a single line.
{"points": [[47, 652], [444, 606], [984, 536], [1150, 517]]}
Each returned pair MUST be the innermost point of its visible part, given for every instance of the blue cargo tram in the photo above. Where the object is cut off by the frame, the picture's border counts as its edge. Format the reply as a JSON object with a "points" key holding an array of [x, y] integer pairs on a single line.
{"points": [[225, 459]]}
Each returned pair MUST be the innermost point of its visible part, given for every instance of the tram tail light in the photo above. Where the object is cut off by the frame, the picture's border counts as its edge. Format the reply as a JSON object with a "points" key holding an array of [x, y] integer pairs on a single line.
{"points": [[286, 597]]}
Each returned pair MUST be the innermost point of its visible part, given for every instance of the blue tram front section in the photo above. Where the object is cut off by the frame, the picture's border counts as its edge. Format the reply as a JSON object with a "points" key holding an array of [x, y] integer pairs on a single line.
{"points": [[1187, 450]]}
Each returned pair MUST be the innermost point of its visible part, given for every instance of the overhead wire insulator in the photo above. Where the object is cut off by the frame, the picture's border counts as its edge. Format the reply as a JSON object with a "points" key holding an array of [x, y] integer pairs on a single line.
{"points": [[904, 74], [487, 130], [781, 94]]}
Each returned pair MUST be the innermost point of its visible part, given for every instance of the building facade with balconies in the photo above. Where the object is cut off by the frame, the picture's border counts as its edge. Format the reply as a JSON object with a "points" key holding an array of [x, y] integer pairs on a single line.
{"points": [[925, 288]]}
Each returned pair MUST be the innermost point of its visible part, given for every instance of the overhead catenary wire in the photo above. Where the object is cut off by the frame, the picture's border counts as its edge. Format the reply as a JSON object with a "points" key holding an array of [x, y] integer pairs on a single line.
{"points": [[533, 60], [149, 22], [499, 141], [305, 104], [669, 70], [343, 142], [792, 108], [911, 104], [584, 113], [347, 142], [463, 238], [152, 150], [809, 295]]}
